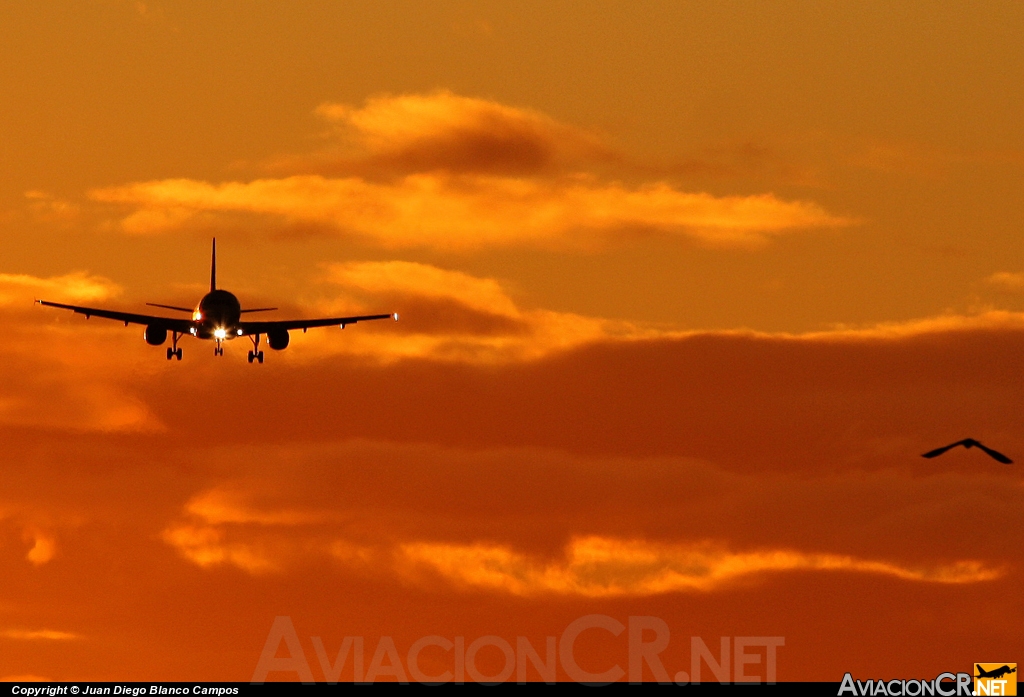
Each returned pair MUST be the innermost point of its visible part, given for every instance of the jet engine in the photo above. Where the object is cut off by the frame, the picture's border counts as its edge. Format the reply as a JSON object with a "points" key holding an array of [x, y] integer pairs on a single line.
{"points": [[278, 339], [155, 335]]}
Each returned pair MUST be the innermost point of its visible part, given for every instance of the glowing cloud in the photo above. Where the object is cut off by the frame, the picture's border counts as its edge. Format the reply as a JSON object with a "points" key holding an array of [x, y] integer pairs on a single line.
{"points": [[38, 634], [536, 333], [44, 548], [471, 319], [223, 506], [993, 319], [470, 211], [22, 289], [1007, 281], [603, 567], [206, 547], [214, 518], [411, 278], [593, 566], [445, 131], [451, 172]]}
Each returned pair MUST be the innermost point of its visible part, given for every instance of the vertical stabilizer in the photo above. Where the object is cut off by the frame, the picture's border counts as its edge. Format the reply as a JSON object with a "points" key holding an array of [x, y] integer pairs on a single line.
{"points": [[213, 267]]}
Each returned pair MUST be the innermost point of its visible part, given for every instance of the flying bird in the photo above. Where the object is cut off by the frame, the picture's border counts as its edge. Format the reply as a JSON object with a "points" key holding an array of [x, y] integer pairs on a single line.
{"points": [[970, 443]]}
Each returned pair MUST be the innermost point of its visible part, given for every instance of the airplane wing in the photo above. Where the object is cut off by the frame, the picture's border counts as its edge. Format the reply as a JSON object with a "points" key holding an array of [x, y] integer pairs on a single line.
{"points": [[271, 325], [169, 323]]}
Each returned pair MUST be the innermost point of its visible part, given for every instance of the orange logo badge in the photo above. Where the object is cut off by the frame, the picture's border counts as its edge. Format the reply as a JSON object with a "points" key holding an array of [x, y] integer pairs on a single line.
{"points": [[995, 679]]}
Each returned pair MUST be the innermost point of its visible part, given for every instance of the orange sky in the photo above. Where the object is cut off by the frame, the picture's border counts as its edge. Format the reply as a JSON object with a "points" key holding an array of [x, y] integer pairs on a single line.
{"points": [[685, 291]]}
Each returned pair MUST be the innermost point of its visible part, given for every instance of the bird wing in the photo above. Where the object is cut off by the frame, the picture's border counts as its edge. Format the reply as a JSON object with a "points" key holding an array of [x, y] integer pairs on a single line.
{"points": [[995, 455], [939, 451]]}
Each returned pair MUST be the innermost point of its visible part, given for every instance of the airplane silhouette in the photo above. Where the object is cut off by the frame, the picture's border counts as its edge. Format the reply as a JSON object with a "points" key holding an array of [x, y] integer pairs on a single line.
{"points": [[970, 443], [217, 317], [995, 673]]}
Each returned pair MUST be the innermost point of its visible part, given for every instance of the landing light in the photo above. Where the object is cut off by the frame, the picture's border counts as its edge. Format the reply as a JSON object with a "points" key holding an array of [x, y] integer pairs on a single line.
{"points": [[197, 316], [220, 333], [239, 332]]}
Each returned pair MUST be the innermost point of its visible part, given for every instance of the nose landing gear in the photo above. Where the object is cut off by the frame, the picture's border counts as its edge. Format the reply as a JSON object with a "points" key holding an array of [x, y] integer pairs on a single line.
{"points": [[255, 354], [174, 351]]}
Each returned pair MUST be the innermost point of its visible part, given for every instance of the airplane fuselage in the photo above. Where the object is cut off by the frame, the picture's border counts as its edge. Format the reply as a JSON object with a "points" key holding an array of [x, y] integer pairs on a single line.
{"points": [[217, 315]]}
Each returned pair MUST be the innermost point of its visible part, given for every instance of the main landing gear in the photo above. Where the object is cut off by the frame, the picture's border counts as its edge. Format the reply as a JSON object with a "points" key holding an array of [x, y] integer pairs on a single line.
{"points": [[255, 354], [174, 351]]}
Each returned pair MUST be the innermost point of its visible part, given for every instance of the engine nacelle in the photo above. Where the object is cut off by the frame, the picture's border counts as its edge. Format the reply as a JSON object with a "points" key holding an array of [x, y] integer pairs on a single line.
{"points": [[278, 339], [155, 335]]}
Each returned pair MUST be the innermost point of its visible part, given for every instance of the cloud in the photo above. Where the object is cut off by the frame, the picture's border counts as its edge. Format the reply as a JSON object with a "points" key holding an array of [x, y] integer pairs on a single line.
{"points": [[452, 316], [38, 634], [444, 131], [62, 372], [919, 327], [44, 548], [47, 208], [448, 172], [222, 527], [1006, 281], [219, 506], [22, 289], [593, 566], [598, 567], [411, 278], [267, 515], [535, 522], [471, 211], [298, 485], [206, 547], [744, 400]]}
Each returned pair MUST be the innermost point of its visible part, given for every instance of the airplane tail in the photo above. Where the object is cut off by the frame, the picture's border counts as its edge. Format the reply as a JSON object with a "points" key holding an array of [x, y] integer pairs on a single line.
{"points": [[213, 267]]}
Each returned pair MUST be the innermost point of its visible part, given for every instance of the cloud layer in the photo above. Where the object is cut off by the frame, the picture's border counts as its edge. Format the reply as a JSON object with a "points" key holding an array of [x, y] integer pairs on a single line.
{"points": [[452, 316], [598, 567], [469, 212], [732, 484], [455, 173], [483, 455]]}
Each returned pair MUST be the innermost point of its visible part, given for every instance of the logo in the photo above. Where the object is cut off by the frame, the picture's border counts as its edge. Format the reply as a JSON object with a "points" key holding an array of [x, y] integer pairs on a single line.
{"points": [[995, 679], [945, 685]]}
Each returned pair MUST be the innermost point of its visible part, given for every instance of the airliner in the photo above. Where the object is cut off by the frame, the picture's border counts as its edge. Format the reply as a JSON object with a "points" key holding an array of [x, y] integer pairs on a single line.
{"points": [[217, 317]]}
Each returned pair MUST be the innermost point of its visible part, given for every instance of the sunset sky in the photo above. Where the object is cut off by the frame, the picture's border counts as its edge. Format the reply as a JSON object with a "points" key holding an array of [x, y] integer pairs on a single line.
{"points": [[686, 288]]}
